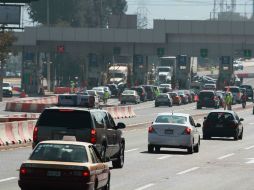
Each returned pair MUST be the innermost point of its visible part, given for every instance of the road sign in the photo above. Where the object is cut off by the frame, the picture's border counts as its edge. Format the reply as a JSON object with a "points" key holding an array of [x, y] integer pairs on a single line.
{"points": [[247, 53], [225, 60], [160, 52], [204, 53]]}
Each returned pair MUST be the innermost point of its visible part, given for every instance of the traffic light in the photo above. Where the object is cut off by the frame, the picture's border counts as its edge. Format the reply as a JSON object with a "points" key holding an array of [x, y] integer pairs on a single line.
{"points": [[247, 53], [16, 1], [160, 52], [204, 53]]}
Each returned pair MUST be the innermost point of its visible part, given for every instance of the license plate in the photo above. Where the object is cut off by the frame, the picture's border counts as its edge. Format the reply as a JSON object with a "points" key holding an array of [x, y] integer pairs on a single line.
{"points": [[169, 132], [53, 174], [219, 126]]}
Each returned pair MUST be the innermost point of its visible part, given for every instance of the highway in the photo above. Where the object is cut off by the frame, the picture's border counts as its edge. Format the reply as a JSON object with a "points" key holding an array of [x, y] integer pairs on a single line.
{"points": [[220, 164]]}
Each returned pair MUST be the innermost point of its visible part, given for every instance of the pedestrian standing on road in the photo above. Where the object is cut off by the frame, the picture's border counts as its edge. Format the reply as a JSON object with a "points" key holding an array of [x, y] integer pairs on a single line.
{"points": [[228, 101]]}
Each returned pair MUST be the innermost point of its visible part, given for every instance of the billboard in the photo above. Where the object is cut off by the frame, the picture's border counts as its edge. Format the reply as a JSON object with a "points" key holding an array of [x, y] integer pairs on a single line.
{"points": [[10, 14]]}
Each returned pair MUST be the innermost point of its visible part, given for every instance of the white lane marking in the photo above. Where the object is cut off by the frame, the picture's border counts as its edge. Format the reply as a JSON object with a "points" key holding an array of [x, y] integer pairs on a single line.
{"points": [[131, 150], [251, 161], [164, 157], [226, 156], [145, 187], [187, 171], [7, 179], [250, 147]]}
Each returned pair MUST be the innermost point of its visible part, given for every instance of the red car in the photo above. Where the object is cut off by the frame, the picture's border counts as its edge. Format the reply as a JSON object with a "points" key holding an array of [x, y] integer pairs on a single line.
{"points": [[177, 100]]}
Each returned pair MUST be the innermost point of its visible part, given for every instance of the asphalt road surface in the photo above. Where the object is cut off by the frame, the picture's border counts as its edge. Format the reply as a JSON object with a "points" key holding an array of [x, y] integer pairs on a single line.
{"points": [[222, 163]]}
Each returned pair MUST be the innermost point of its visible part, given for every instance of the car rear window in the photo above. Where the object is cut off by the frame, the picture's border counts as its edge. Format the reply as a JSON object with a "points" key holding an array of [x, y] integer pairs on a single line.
{"points": [[163, 96], [247, 87], [220, 117], [148, 88], [234, 90], [208, 95], [173, 119], [65, 118], [60, 153]]}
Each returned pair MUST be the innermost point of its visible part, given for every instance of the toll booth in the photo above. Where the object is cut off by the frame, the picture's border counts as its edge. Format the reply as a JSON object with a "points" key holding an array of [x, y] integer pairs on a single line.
{"points": [[183, 72], [226, 72]]}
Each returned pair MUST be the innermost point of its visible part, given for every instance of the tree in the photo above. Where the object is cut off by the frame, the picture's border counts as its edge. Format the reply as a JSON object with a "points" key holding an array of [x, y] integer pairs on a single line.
{"points": [[6, 40], [76, 13]]}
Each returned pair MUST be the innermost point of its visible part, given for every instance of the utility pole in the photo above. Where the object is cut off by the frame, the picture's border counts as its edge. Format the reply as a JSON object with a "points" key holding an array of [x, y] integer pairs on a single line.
{"points": [[48, 13]]}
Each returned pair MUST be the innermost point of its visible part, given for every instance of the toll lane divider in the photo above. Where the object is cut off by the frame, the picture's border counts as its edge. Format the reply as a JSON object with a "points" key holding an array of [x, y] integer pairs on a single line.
{"points": [[120, 112], [20, 132], [19, 117], [32, 106]]}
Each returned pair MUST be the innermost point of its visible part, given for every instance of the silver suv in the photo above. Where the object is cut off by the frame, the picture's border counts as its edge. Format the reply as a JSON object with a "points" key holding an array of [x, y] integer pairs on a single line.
{"points": [[93, 126]]}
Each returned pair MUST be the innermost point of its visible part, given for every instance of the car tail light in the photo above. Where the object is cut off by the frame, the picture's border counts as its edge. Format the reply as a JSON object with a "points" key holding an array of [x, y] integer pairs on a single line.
{"points": [[187, 131], [239, 94], [86, 173], [93, 136], [150, 129], [23, 171], [35, 134]]}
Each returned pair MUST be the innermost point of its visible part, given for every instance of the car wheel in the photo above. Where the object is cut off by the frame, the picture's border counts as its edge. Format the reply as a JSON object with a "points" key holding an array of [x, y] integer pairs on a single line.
{"points": [[107, 186], [150, 148], [156, 105], [199, 107], [196, 147], [236, 137], [206, 137], [241, 136], [190, 150], [103, 153], [157, 149], [120, 158]]}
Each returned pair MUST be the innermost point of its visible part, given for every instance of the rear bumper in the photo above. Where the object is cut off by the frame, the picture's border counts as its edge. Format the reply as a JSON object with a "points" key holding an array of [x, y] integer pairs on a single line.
{"points": [[182, 141], [207, 104], [39, 184], [215, 132]]}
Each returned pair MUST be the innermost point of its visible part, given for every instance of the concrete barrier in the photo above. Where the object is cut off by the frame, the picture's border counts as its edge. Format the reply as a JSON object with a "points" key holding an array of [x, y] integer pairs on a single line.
{"points": [[16, 132], [32, 106], [120, 112]]}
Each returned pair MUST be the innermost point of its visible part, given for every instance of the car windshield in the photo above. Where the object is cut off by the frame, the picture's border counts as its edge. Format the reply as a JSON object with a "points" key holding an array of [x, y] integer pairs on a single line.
{"points": [[6, 85], [60, 153], [172, 119], [129, 92], [72, 119]]}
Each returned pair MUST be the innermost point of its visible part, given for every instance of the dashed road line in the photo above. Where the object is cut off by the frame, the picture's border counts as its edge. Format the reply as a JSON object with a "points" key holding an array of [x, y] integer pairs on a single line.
{"points": [[131, 150], [164, 157], [187, 171], [250, 147], [251, 161], [145, 186], [226, 156], [7, 179]]}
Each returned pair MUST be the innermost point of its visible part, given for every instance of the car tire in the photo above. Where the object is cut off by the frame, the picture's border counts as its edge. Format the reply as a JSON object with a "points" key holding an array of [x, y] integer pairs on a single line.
{"points": [[236, 137], [157, 149], [241, 136], [206, 137], [120, 158], [103, 153], [190, 150], [150, 148], [196, 147], [199, 107], [156, 105]]}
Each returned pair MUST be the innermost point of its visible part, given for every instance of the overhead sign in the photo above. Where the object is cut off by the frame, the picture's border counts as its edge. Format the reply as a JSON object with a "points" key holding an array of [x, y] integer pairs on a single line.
{"points": [[204, 53], [225, 60], [10, 14]]}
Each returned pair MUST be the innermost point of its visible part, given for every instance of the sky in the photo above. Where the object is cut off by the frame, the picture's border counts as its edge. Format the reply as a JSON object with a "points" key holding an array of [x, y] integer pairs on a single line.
{"points": [[179, 9], [183, 9]]}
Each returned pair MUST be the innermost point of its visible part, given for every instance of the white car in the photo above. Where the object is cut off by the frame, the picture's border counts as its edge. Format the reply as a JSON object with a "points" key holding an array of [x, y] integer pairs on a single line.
{"points": [[100, 91], [7, 89], [174, 130]]}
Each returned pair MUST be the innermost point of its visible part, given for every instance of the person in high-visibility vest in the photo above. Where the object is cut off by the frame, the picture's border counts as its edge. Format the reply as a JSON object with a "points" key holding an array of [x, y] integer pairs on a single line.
{"points": [[228, 101]]}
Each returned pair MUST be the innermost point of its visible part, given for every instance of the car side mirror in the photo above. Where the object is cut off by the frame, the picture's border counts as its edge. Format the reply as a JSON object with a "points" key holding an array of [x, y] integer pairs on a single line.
{"points": [[241, 119], [120, 126], [198, 125]]}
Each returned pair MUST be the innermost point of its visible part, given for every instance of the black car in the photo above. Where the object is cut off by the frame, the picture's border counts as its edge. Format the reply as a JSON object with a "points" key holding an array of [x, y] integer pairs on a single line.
{"points": [[163, 99], [208, 99], [93, 126], [223, 124], [249, 90], [114, 89], [150, 92], [141, 92]]}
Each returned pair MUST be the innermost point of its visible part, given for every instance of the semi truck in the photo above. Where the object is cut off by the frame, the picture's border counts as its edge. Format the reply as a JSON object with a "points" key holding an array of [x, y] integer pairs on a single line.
{"points": [[118, 73], [165, 70]]}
